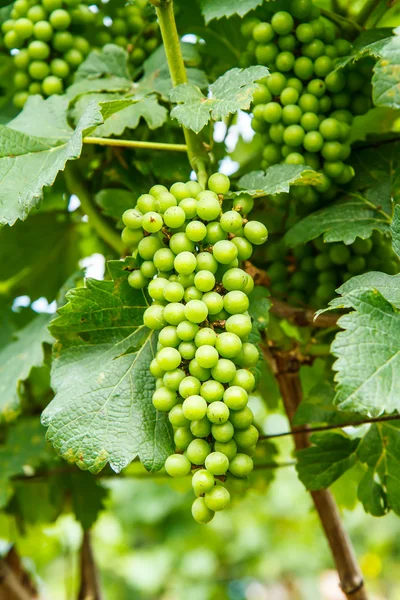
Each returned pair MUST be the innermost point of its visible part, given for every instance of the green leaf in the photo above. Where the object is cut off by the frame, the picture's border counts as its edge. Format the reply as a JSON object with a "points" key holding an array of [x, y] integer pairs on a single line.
{"points": [[386, 81], [216, 9], [277, 179], [259, 308], [93, 86], [148, 109], [340, 222], [231, 92], [24, 450], [326, 460], [111, 60], [25, 264], [380, 450], [114, 202], [377, 169], [368, 355], [387, 285], [318, 407], [36, 145], [16, 361], [395, 230], [102, 411], [369, 43], [87, 496]]}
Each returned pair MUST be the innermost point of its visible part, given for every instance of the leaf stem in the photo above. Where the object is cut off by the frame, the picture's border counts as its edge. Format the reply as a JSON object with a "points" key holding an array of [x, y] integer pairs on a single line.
{"points": [[345, 24], [165, 12], [310, 430], [366, 11], [76, 186], [135, 144]]}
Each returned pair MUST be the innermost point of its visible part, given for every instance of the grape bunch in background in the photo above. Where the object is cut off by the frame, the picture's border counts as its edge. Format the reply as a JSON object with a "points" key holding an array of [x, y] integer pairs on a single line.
{"points": [[188, 244], [51, 38], [304, 110]]}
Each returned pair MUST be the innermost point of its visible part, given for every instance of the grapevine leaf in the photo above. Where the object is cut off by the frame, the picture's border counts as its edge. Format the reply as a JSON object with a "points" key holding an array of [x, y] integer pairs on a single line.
{"points": [[326, 460], [114, 201], [386, 79], [147, 108], [318, 407], [36, 145], [377, 169], [277, 179], [368, 355], [24, 450], [395, 230], [111, 60], [25, 265], [92, 86], [216, 9], [87, 497], [102, 411], [380, 487], [231, 92], [387, 285], [260, 305], [341, 222], [369, 43], [17, 359]]}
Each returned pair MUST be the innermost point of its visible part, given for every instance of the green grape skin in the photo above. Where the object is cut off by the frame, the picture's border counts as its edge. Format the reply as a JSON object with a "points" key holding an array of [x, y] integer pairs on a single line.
{"points": [[194, 408], [219, 183], [246, 437], [236, 302], [172, 379], [228, 448], [197, 451], [239, 324], [245, 379], [190, 386], [197, 371], [186, 331], [228, 345], [217, 463], [205, 336], [154, 317], [218, 412], [201, 428], [207, 356], [212, 391], [200, 511], [177, 418], [242, 418], [217, 499], [235, 398], [222, 432], [241, 465], [164, 399], [182, 438], [177, 465], [224, 371], [202, 482]]}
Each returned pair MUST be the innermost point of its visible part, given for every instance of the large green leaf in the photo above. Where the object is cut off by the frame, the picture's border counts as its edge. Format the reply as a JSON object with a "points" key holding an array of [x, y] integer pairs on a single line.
{"points": [[395, 230], [368, 355], [277, 179], [36, 145], [387, 285], [115, 201], [330, 455], [38, 269], [377, 169], [102, 411], [369, 43], [24, 450], [216, 9], [110, 60], [380, 487], [386, 80], [341, 222], [17, 359], [147, 108], [231, 92]]}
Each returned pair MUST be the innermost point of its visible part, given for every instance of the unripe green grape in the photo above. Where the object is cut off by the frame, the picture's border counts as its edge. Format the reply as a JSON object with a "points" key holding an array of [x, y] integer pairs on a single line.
{"points": [[177, 465], [206, 262], [266, 53], [242, 418], [137, 280], [214, 302], [197, 371], [313, 141], [174, 313], [146, 203], [179, 190], [189, 207], [180, 242], [217, 412], [204, 281], [212, 391], [60, 19], [239, 324], [224, 371], [183, 437], [305, 33], [241, 465], [263, 33], [190, 386], [197, 451], [73, 57], [194, 408], [276, 133], [207, 356], [231, 221], [168, 336], [246, 437], [200, 511], [219, 183], [62, 41], [186, 280], [218, 498], [196, 231], [303, 68], [272, 112], [23, 27], [208, 207], [228, 345], [217, 463], [156, 288], [21, 80], [176, 417], [244, 248], [245, 379], [38, 50], [248, 356], [148, 269], [152, 222], [236, 302], [202, 482], [20, 98], [215, 233], [169, 359], [163, 201], [282, 22], [196, 311], [287, 42], [256, 232], [224, 251], [156, 190], [164, 399], [187, 350], [223, 432], [243, 203], [234, 279], [174, 217], [201, 428], [192, 293], [173, 291]]}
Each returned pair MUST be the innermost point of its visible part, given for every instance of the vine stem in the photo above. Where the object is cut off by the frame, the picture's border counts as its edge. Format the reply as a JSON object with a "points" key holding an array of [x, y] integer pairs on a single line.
{"points": [[310, 430], [89, 587], [285, 367], [76, 186], [135, 144], [165, 12]]}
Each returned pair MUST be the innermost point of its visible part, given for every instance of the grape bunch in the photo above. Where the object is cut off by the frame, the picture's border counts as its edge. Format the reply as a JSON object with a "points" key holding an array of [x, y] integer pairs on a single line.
{"points": [[310, 274], [304, 109], [189, 243], [49, 39]]}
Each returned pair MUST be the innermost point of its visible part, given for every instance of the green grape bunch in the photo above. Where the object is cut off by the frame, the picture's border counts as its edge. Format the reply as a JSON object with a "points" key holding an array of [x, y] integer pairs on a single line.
{"points": [[304, 109], [49, 39], [189, 243]]}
